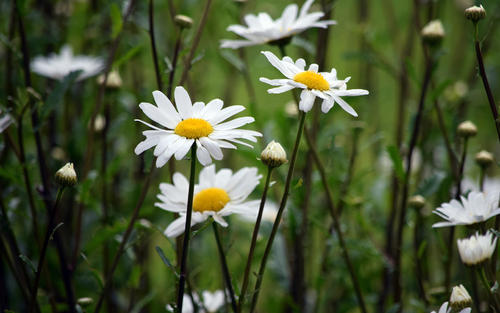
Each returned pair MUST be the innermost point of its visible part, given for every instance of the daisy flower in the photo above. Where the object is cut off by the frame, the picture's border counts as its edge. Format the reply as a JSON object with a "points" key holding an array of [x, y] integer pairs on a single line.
{"points": [[212, 302], [190, 124], [324, 85], [477, 248], [444, 309], [261, 28], [217, 194], [477, 207], [58, 66]]}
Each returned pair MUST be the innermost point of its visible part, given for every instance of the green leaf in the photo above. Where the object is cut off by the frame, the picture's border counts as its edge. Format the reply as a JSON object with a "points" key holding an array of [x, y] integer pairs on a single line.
{"points": [[421, 249], [116, 20], [54, 230], [28, 262], [232, 58], [130, 53], [397, 162], [166, 261]]}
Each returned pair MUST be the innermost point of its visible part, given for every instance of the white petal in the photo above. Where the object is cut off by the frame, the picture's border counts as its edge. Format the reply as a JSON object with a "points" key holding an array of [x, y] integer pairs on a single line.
{"points": [[306, 100], [183, 102]]}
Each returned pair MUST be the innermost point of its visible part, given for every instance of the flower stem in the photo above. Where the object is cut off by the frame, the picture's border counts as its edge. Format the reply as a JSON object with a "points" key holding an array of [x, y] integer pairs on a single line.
{"points": [[153, 45], [187, 230], [225, 269], [43, 252], [126, 235], [482, 72], [276, 224], [248, 266]]}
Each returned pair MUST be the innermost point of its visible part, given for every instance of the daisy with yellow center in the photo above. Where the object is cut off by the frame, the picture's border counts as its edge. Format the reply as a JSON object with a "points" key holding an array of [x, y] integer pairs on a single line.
{"points": [[190, 124], [217, 194], [324, 85]]}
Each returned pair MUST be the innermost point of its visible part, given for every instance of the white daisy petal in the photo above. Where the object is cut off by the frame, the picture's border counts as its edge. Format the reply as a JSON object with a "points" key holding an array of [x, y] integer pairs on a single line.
{"points": [[306, 100], [183, 102]]}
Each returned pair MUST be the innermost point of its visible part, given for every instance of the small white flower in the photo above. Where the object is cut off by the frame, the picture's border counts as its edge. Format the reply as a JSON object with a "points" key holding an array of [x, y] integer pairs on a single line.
{"points": [[477, 207], [477, 248], [444, 309], [268, 215], [460, 298], [216, 195], [261, 28], [58, 66], [324, 85], [212, 302], [190, 124]]}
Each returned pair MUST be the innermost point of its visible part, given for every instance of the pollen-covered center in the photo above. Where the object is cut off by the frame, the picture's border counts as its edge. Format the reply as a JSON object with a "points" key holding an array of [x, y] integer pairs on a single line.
{"points": [[312, 80], [193, 128], [210, 199]]}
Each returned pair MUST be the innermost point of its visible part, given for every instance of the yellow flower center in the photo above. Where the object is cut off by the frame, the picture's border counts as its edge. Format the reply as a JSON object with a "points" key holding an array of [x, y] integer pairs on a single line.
{"points": [[193, 128], [210, 199], [312, 80]]}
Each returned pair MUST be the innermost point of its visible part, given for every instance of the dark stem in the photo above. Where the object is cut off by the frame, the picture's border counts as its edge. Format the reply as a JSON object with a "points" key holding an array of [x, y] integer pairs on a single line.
{"points": [[196, 41], [489, 94], [126, 235], [48, 235], [225, 269], [452, 158], [280, 213], [153, 45], [418, 262], [187, 230], [177, 49], [406, 186], [248, 266]]}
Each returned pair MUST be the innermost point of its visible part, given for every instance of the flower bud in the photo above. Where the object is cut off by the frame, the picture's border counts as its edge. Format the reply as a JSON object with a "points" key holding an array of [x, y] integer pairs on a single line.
{"points": [[484, 158], [475, 13], [476, 249], [85, 301], [114, 80], [460, 298], [66, 175], [417, 202], [433, 32], [467, 129], [99, 123], [273, 155], [183, 21]]}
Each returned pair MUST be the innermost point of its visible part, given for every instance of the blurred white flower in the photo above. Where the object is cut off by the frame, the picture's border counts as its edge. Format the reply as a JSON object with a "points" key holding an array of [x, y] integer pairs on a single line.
{"points": [[477, 207], [190, 124], [216, 195], [477, 248], [261, 28], [58, 66], [313, 84], [212, 302], [491, 184], [268, 215], [444, 309], [5, 120]]}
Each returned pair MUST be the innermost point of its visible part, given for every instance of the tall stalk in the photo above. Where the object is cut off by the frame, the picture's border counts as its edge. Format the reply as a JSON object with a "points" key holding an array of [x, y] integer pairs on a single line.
{"points": [[281, 209], [225, 268], [187, 231]]}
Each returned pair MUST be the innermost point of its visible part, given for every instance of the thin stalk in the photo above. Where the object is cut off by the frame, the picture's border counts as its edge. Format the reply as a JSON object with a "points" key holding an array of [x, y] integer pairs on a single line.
{"points": [[452, 158], [493, 296], [126, 235], [418, 262], [175, 58], [153, 45], [48, 235], [482, 72], [406, 185], [187, 231], [482, 176], [281, 209], [336, 224], [196, 41], [248, 266], [225, 268]]}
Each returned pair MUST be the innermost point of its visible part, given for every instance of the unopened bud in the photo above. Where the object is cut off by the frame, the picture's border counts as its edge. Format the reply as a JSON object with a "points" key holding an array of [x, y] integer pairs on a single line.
{"points": [[85, 301], [433, 32], [467, 129], [484, 158], [114, 80], [183, 21], [273, 155], [66, 175], [417, 202], [460, 298], [475, 13]]}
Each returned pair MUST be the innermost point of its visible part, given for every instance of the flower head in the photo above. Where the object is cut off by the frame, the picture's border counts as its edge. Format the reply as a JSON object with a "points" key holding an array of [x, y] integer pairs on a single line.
{"points": [[58, 66], [444, 309], [475, 13], [467, 129], [324, 85], [66, 175], [433, 32], [484, 158], [190, 124], [477, 248], [261, 28], [460, 298], [217, 194], [212, 302], [273, 155], [477, 207]]}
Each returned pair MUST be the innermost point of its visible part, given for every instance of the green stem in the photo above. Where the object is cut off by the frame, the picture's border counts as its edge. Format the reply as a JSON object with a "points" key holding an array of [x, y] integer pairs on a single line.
{"points": [[254, 240], [280, 213], [187, 230], [225, 268], [43, 252]]}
